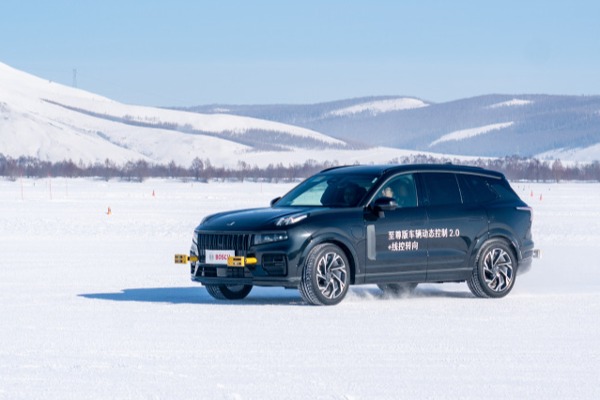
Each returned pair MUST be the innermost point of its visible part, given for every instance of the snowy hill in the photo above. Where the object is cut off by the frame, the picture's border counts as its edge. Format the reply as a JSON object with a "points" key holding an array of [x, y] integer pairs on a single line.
{"points": [[53, 122], [494, 125], [376, 107], [46, 120]]}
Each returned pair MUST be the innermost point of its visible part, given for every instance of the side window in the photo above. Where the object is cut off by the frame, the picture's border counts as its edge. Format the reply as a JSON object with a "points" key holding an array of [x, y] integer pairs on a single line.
{"points": [[402, 189], [503, 189], [441, 188], [476, 189]]}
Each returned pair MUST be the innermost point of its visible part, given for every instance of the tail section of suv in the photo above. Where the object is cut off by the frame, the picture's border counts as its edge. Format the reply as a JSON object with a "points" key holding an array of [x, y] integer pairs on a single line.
{"points": [[394, 226]]}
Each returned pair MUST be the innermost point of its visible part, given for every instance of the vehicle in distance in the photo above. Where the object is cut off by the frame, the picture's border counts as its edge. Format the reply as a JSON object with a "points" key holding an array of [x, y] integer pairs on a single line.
{"points": [[393, 226]]}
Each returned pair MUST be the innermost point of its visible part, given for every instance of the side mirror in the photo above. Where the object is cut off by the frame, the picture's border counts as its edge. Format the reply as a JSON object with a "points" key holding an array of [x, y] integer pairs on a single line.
{"points": [[275, 200], [385, 204]]}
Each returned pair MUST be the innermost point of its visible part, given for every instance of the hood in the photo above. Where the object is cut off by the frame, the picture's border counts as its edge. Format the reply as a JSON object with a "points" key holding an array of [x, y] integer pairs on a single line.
{"points": [[255, 219]]}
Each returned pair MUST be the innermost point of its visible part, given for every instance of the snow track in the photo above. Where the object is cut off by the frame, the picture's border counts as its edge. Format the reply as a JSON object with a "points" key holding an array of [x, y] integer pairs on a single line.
{"points": [[93, 307]]}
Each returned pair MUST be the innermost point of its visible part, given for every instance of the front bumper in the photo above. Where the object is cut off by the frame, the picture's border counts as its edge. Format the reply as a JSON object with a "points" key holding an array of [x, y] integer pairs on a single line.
{"points": [[241, 259], [262, 269]]}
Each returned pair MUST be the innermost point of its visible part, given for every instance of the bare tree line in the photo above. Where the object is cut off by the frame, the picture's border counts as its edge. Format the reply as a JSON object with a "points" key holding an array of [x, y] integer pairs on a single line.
{"points": [[514, 167]]}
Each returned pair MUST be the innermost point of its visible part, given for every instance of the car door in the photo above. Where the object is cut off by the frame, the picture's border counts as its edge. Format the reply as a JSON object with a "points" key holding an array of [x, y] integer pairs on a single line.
{"points": [[396, 247], [452, 227]]}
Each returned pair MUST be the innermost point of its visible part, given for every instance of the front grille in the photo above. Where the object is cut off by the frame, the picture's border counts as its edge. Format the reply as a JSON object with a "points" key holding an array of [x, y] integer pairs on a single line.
{"points": [[240, 242], [205, 271], [209, 271]]}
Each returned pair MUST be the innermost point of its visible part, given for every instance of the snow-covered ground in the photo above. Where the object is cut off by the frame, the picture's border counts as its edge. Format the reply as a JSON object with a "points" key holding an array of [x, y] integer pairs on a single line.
{"points": [[92, 307]]}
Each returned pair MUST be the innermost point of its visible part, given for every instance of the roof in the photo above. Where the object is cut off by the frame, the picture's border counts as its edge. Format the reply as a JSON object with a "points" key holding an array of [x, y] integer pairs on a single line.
{"points": [[393, 169]]}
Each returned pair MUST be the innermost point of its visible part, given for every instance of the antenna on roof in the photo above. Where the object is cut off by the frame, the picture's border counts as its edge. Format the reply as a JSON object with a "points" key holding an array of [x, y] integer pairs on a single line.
{"points": [[74, 77]]}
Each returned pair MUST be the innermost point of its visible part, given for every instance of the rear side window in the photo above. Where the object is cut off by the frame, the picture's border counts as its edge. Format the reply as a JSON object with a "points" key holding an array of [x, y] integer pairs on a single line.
{"points": [[441, 189], [477, 189], [502, 187], [483, 189]]}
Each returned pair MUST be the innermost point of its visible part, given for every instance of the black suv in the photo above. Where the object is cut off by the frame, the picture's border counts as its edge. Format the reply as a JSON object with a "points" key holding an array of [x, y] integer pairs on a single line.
{"points": [[394, 226]]}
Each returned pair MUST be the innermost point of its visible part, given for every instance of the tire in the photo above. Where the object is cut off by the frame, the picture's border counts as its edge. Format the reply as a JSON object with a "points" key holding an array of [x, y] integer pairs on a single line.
{"points": [[397, 289], [229, 292], [326, 276], [495, 270]]}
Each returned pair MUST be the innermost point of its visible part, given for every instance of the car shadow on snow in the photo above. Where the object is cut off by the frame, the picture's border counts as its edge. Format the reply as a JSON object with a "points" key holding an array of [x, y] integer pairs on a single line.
{"points": [[198, 295], [259, 295]]}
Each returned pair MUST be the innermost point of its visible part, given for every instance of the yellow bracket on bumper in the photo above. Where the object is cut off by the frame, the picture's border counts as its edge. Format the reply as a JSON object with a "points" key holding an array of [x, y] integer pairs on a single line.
{"points": [[184, 259], [232, 261], [240, 261]]}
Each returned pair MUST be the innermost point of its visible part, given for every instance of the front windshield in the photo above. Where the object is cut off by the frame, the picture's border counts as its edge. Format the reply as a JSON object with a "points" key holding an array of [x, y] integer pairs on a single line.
{"points": [[329, 190]]}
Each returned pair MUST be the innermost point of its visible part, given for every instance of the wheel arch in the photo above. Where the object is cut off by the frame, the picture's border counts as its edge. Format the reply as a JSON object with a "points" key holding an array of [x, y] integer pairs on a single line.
{"points": [[510, 239], [499, 234], [341, 242]]}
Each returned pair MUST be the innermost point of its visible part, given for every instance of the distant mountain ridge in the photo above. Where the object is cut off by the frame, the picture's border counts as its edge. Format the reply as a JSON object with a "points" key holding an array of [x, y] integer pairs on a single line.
{"points": [[492, 125], [54, 122]]}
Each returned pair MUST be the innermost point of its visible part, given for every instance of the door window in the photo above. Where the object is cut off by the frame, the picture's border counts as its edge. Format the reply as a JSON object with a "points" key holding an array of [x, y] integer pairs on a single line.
{"points": [[441, 189], [402, 189]]}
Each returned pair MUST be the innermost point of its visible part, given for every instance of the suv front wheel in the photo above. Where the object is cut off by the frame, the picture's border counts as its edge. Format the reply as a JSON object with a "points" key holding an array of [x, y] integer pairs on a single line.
{"points": [[495, 270], [229, 292], [326, 275]]}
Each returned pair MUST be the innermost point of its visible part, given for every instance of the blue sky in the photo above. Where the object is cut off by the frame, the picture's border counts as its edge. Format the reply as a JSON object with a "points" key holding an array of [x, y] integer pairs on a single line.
{"points": [[187, 53]]}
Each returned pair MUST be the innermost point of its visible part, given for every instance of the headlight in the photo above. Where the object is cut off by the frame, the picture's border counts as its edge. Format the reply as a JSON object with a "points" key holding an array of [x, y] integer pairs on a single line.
{"points": [[291, 220], [263, 238], [194, 248]]}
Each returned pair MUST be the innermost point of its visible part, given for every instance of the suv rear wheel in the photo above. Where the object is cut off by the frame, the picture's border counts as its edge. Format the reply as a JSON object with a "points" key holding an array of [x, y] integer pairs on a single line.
{"points": [[326, 275], [495, 270]]}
